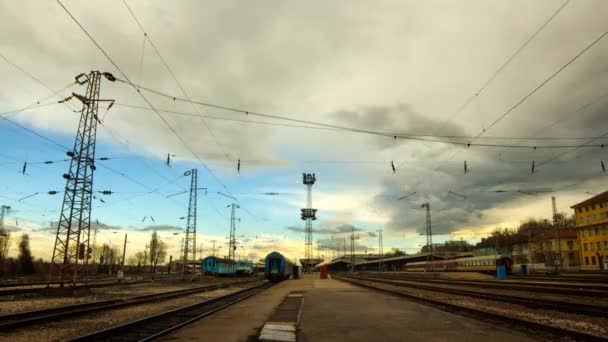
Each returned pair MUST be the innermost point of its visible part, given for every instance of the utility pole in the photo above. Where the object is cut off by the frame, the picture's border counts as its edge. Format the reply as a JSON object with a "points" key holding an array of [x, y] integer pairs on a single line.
{"points": [[73, 230], [352, 249], [380, 248], [559, 243], [429, 232], [124, 253], [213, 248], [308, 215]]}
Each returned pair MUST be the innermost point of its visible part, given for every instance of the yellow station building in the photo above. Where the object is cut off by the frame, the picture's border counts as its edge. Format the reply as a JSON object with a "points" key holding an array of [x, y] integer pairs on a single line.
{"points": [[592, 230]]}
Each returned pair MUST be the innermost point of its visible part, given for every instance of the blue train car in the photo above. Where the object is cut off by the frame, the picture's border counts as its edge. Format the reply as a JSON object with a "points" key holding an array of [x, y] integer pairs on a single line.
{"points": [[244, 268], [217, 266], [277, 267]]}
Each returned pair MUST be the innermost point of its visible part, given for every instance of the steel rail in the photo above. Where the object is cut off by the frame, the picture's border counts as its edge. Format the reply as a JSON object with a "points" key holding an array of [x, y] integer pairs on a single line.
{"points": [[155, 326], [502, 320], [20, 319], [568, 307], [569, 289]]}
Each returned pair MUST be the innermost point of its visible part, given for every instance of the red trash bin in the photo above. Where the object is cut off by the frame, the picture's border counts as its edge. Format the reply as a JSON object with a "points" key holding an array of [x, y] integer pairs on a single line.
{"points": [[323, 270]]}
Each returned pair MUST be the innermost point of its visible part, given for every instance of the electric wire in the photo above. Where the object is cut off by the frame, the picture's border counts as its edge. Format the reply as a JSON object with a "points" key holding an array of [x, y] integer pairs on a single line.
{"points": [[357, 130], [388, 134], [127, 81], [506, 63], [542, 84], [184, 93]]}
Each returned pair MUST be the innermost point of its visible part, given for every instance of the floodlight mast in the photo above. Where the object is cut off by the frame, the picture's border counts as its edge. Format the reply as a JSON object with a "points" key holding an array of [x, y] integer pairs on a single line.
{"points": [[308, 214]]}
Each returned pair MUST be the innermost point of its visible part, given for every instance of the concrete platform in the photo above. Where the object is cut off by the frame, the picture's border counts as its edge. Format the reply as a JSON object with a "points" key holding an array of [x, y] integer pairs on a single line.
{"points": [[337, 311], [241, 321]]}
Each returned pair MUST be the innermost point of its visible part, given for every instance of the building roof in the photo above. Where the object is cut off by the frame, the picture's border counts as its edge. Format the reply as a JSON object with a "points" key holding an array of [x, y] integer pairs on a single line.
{"points": [[603, 197], [549, 234]]}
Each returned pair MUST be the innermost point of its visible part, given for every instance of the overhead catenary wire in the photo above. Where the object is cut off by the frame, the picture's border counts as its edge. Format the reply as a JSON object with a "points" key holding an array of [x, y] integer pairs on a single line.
{"points": [[498, 71], [508, 61], [128, 81], [352, 129], [179, 84], [388, 134], [547, 80]]}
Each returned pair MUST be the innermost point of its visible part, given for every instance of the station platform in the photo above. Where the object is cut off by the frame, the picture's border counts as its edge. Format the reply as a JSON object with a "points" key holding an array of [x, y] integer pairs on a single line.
{"points": [[337, 311]]}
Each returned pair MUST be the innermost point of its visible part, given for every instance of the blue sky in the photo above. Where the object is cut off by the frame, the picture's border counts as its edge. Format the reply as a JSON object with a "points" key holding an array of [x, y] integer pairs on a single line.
{"points": [[481, 71]]}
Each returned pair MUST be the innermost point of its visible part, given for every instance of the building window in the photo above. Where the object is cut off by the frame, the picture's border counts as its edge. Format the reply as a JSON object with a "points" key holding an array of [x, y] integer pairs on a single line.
{"points": [[593, 260], [590, 232], [586, 260], [570, 244], [586, 209], [594, 217], [601, 205], [591, 246], [588, 218], [580, 210], [570, 259], [585, 246], [597, 231], [605, 244], [598, 245], [604, 230], [581, 220]]}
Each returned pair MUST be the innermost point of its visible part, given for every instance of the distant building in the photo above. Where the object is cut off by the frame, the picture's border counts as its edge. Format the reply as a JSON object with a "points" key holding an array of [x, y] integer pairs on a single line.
{"points": [[591, 226], [542, 251], [547, 248]]}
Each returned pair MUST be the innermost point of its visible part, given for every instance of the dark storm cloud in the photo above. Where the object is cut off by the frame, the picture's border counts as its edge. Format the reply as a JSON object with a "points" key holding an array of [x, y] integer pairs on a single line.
{"points": [[492, 170], [95, 224], [162, 228], [329, 229], [396, 119]]}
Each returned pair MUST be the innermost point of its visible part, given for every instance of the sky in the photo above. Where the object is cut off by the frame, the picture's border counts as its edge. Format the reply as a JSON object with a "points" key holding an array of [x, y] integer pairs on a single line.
{"points": [[531, 73]]}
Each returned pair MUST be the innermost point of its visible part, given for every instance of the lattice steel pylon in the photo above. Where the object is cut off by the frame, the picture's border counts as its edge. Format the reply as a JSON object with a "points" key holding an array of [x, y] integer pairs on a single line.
{"points": [[74, 227], [232, 238], [190, 240], [308, 213]]}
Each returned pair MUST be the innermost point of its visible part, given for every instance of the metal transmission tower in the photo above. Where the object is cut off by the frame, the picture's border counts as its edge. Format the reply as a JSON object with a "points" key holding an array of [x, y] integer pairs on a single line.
{"points": [[429, 231], [233, 219], [232, 239], [190, 241], [189, 244], [308, 214], [73, 231]]}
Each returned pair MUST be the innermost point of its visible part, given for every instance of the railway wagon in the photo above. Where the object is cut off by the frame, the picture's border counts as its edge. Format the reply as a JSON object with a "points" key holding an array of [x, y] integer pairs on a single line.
{"points": [[473, 264], [277, 267], [217, 266], [244, 268]]}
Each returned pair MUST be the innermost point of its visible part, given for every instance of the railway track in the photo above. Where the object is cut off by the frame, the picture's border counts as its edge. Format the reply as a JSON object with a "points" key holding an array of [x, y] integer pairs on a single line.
{"points": [[26, 287], [479, 313], [21, 319], [563, 289], [152, 327], [537, 303]]}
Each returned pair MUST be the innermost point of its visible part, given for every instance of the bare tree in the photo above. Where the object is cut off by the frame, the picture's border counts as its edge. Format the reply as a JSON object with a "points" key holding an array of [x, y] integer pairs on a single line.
{"points": [[26, 263], [5, 243]]}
